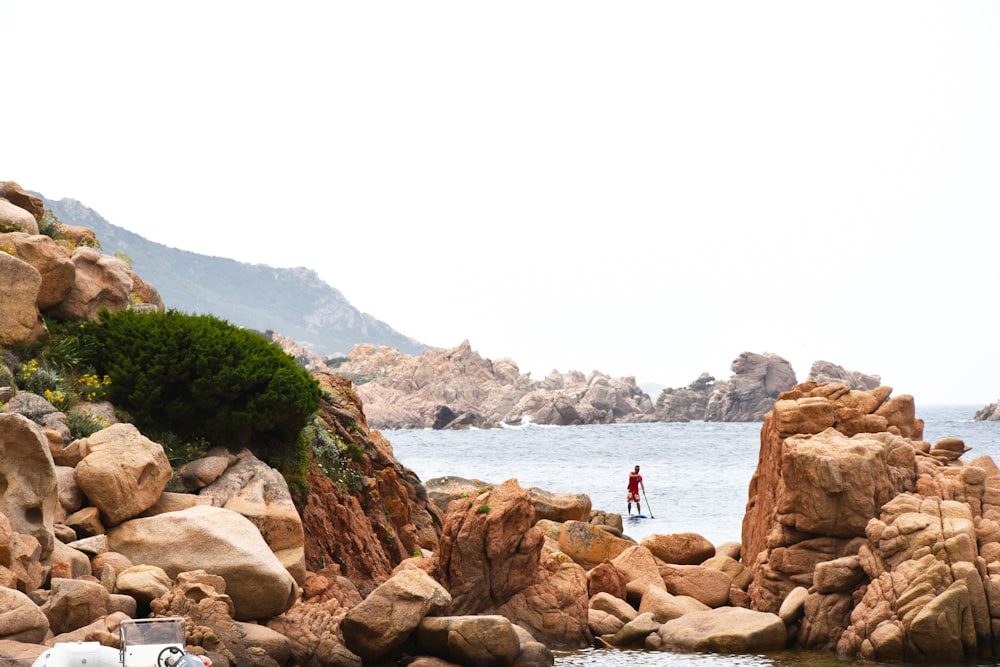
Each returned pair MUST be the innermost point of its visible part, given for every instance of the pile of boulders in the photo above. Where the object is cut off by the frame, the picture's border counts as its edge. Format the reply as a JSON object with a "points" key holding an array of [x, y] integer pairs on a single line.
{"points": [[61, 276]]}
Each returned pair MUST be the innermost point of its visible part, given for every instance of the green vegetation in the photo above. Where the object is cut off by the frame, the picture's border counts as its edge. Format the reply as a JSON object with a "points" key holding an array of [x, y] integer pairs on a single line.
{"points": [[49, 224], [202, 379], [333, 455], [84, 424], [483, 509], [55, 370]]}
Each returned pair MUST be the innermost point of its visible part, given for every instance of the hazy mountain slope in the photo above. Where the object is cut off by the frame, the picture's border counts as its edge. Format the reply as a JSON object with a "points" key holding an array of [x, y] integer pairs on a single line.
{"points": [[293, 302]]}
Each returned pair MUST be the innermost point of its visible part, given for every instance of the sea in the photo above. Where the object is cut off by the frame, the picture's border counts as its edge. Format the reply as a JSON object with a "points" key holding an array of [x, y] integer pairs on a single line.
{"points": [[696, 474]]}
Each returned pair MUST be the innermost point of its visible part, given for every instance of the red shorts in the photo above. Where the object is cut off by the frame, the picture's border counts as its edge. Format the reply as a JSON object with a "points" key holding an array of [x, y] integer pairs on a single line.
{"points": [[633, 497]]}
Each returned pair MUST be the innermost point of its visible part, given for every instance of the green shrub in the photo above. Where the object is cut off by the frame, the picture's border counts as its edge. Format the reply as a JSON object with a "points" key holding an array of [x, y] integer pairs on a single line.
{"points": [[84, 424], [57, 369], [333, 455], [49, 224], [199, 377]]}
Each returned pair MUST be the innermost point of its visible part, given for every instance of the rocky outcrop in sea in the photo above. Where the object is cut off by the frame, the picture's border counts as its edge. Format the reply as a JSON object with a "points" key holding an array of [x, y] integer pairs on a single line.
{"points": [[458, 388], [989, 412]]}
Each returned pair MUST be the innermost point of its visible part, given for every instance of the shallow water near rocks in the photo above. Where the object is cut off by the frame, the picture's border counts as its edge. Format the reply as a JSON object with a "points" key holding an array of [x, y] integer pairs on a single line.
{"points": [[696, 474]]}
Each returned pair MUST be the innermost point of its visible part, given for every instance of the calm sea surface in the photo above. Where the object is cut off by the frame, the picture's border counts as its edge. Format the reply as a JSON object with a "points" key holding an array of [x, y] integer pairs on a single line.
{"points": [[696, 476]]}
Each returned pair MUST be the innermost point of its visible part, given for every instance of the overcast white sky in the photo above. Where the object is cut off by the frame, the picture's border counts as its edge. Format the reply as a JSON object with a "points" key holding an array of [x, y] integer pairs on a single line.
{"points": [[641, 188]]}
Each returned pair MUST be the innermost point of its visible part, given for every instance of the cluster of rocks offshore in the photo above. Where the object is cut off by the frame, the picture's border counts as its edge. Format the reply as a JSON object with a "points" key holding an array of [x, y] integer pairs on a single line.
{"points": [[458, 388]]}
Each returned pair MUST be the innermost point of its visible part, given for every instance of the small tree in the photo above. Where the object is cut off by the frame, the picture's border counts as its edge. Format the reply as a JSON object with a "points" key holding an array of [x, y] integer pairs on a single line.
{"points": [[199, 377]]}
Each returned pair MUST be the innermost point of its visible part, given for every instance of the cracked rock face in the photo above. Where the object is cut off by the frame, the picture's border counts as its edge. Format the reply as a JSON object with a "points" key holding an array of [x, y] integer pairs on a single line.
{"points": [[895, 539], [28, 494]]}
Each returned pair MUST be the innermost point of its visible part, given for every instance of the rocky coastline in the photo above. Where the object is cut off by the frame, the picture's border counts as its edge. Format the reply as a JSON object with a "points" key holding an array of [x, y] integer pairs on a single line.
{"points": [[459, 389], [859, 538]]}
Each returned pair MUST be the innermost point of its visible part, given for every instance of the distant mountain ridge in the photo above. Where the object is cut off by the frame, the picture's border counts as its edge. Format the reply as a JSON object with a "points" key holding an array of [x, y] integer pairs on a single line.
{"points": [[295, 303]]}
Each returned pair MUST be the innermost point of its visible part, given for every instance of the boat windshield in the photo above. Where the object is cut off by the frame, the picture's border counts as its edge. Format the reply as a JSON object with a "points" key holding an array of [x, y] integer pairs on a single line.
{"points": [[148, 631]]}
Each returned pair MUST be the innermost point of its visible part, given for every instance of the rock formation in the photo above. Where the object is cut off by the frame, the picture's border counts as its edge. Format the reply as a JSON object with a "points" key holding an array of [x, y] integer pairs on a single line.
{"points": [[859, 537], [824, 371], [686, 404], [887, 543], [457, 388], [750, 392], [62, 276], [989, 412]]}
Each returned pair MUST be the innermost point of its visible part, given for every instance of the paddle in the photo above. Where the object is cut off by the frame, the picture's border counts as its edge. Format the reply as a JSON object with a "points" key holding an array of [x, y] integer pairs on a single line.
{"points": [[647, 504]]}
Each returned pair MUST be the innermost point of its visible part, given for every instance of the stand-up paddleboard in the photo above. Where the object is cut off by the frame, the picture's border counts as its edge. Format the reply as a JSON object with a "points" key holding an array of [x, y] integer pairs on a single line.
{"points": [[637, 516]]}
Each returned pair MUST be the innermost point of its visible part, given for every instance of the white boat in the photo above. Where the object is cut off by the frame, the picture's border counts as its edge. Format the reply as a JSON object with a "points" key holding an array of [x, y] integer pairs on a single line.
{"points": [[145, 642]]}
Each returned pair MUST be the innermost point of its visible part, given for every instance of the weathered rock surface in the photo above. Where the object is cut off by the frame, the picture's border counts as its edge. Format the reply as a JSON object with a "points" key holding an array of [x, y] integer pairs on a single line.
{"points": [[548, 505], [258, 492], [28, 492], [380, 624], [101, 281], [890, 539], [219, 541], [724, 630], [123, 473], [491, 561], [20, 320], [379, 515], [476, 641]]}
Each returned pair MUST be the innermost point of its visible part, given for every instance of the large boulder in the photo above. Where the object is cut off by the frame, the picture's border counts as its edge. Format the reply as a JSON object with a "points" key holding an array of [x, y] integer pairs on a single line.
{"points": [[830, 458], [21, 198], [560, 506], [666, 606], [124, 472], [21, 619], [708, 586], [489, 549], [218, 541], [257, 491], [16, 219], [586, 544], [679, 548], [724, 630], [101, 281], [379, 626], [554, 610], [28, 491], [49, 258], [490, 559], [472, 641], [20, 321], [75, 603]]}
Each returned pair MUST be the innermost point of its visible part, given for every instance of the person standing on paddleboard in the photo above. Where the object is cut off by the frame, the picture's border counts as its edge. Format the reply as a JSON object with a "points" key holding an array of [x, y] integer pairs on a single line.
{"points": [[634, 482]]}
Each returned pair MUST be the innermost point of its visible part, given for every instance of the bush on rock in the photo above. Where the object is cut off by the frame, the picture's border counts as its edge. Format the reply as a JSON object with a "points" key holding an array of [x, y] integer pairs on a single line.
{"points": [[199, 377]]}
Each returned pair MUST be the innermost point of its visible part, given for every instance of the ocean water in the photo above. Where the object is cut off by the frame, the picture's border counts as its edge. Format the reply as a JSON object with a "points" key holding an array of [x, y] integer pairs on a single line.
{"points": [[696, 475]]}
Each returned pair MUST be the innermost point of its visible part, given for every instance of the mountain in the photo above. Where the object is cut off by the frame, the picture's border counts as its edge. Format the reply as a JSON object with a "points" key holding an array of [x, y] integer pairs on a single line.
{"points": [[295, 303]]}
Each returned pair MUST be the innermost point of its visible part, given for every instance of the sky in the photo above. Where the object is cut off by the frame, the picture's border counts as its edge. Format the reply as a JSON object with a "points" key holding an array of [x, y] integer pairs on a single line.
{"points": [[646, 188]]}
